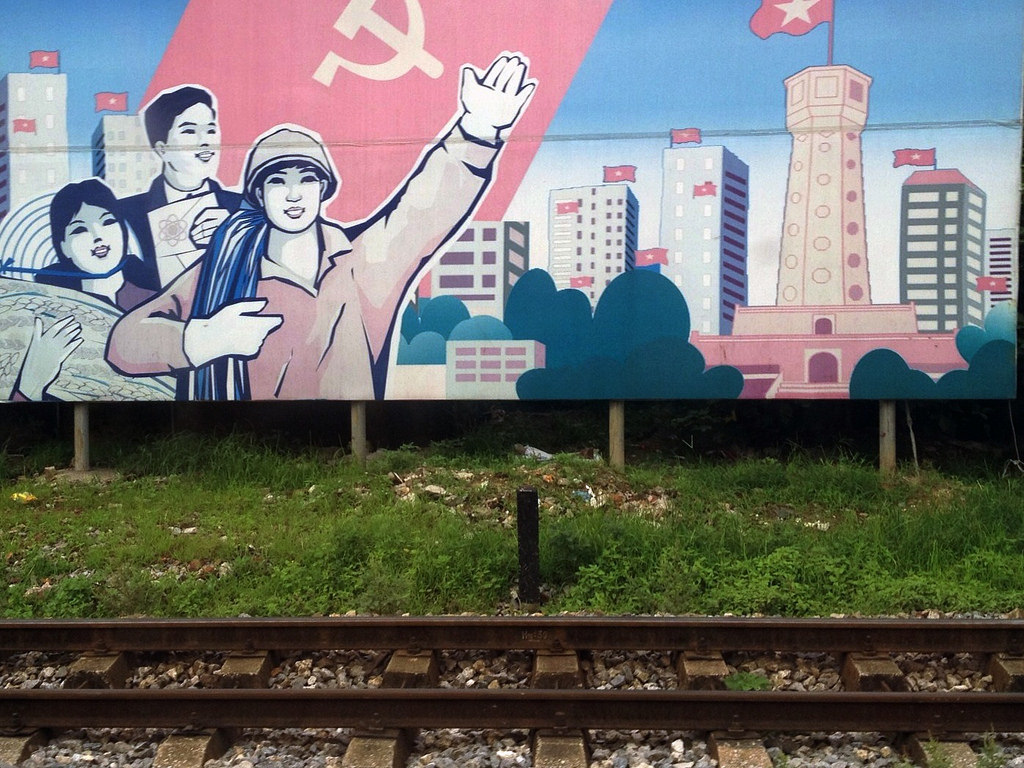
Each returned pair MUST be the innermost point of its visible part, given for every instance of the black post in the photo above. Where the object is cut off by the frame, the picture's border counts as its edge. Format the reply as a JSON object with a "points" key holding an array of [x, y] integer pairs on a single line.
{"points": [[528, 526]]}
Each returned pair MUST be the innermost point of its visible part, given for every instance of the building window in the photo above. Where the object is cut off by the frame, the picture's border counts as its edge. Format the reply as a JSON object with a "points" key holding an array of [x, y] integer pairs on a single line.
{"points": [[49, 93], [680, 164], [709, 163], [823, 326], [490, 234], [707, 233]]}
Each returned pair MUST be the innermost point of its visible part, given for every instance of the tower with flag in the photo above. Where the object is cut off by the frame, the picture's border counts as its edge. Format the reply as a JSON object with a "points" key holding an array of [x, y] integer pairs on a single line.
{"points": [[33, 133], [823, 321]]}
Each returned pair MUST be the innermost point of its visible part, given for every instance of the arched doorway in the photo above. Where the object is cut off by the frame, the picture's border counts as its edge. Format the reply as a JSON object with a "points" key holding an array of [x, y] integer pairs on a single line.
{"points": [[823, 368]]}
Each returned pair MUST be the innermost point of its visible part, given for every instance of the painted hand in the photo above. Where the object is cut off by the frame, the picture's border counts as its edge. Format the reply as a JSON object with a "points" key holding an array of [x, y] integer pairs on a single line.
{"points": [[493, 100], [47, 351], [236, 330], [205, 225]]}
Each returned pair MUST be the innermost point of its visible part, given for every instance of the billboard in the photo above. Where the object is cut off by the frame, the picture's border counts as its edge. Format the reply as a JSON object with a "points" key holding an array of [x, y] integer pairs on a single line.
{"points": [[510, 199]]}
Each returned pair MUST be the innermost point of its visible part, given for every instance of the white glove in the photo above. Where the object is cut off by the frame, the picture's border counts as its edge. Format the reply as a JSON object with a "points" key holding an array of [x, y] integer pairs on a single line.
{"points": [[47, 350], [236, 330], [494, 100]]}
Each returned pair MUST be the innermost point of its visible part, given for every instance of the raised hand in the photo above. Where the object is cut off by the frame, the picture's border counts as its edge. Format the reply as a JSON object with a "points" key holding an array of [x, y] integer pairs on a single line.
{"points": [[493, 100], [45, 356]]}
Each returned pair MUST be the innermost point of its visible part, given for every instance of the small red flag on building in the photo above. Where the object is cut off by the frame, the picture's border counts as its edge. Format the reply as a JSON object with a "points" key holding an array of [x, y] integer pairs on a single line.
{"points": [[794, 17], [49, 59], [567, 206], [707, 189], [23, 125], [651, 256], [686, 135], [913, 157], [619, 173], [112, 102], [988, 283], [584, 281]]}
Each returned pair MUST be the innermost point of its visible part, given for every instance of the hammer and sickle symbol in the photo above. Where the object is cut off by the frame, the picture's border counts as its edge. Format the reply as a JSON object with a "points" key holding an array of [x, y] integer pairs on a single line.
{"points": [[408, 46]]}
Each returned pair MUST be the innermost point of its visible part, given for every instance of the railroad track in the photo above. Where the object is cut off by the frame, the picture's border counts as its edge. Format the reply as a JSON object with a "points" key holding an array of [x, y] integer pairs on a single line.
{"points": [[874, 695]]}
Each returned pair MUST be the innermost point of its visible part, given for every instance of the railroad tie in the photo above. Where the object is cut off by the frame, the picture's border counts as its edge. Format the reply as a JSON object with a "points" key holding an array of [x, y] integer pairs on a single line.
{"points": [[929, 753], [1007, 672], [558, 747], [733, 752], [872, 672], [701, 671], [190, 750], [98, 670], [14, 749], [390, 747]]}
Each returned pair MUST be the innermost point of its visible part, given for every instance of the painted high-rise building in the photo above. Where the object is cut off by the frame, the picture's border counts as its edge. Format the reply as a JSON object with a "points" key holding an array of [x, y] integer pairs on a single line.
{"points": [[121, 154], [823, 259], [942, 249], [482, 265], [1001, 254], [592, 235], [33, 137], [704, 205]]}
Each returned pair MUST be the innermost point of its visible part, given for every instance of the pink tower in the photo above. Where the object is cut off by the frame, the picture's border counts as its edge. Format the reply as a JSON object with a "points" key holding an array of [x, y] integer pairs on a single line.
{"points": [[823, 257]]}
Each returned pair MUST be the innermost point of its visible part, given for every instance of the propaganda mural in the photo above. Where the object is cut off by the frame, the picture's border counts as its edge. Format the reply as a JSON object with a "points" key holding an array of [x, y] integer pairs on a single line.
{"points": [[511, 199]]}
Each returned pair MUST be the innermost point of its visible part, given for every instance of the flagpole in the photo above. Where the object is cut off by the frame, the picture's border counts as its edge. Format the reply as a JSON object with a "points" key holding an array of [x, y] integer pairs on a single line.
{"points": [[832, 32]]}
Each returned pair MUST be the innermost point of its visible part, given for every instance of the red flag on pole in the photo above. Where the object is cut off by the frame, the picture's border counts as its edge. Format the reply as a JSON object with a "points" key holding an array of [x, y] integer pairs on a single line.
{"points": [[988, 283], [584, 281], [651, 256], [23, 125], [112, 102], [793, 17], [707, 189], [567, 206], [686, 135], [913, 157], [49, 59], [619, 173]]}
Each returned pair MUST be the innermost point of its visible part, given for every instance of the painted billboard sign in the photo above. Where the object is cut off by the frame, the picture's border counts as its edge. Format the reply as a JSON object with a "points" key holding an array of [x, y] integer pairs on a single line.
{"points": [[429, 199]]}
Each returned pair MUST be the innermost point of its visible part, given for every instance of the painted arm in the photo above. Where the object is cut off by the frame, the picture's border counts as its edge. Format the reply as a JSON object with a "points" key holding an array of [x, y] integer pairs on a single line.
{"points": [[160, 335], [395, 247]]}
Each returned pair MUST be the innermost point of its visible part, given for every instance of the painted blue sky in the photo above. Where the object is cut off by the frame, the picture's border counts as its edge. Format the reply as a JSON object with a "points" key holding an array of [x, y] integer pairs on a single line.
{"points": [[933, 61], [104, 46]]}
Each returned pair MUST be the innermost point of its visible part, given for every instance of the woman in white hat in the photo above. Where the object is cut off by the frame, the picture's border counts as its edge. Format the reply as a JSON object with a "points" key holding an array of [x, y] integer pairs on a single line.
{"points": [[288, 304]]}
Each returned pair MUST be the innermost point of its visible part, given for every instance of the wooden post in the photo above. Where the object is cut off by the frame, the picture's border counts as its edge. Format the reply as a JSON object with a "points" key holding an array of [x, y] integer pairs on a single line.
{"points": [[81, 437], [359, 430], [887, 436], [617, 433]]}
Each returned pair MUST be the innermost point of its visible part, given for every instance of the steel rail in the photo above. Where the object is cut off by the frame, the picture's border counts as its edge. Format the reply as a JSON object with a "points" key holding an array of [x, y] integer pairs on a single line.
{"points": [[516, 708], [521, 633]]}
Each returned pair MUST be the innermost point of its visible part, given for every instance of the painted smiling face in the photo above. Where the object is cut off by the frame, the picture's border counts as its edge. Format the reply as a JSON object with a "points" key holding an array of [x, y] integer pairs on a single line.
{"points": [[191, 153], [93, 240], [291, 197]]}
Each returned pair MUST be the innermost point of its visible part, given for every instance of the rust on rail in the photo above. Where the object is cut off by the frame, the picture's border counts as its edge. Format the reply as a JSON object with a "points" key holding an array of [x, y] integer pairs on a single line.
{"points": [[513, 708], [521, 633]]}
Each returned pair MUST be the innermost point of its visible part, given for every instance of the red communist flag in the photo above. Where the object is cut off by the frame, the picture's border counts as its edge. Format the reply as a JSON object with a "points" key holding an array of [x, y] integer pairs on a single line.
{"points": [[651, 256], [581, 282], [23, 125], [794, 17], [686, 135], [913, 157], [707, 189], [113, 102], [987, 283], [567, 206], [44, 59], [614, 173]]}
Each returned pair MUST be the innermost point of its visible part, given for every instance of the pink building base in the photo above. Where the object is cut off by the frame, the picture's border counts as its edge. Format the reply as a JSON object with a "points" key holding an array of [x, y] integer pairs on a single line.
{"points": [[811, 351]]}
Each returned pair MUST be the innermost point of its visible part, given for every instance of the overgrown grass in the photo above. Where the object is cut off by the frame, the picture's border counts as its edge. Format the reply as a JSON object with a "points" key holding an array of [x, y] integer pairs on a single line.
{"points": [[217, 527]]}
